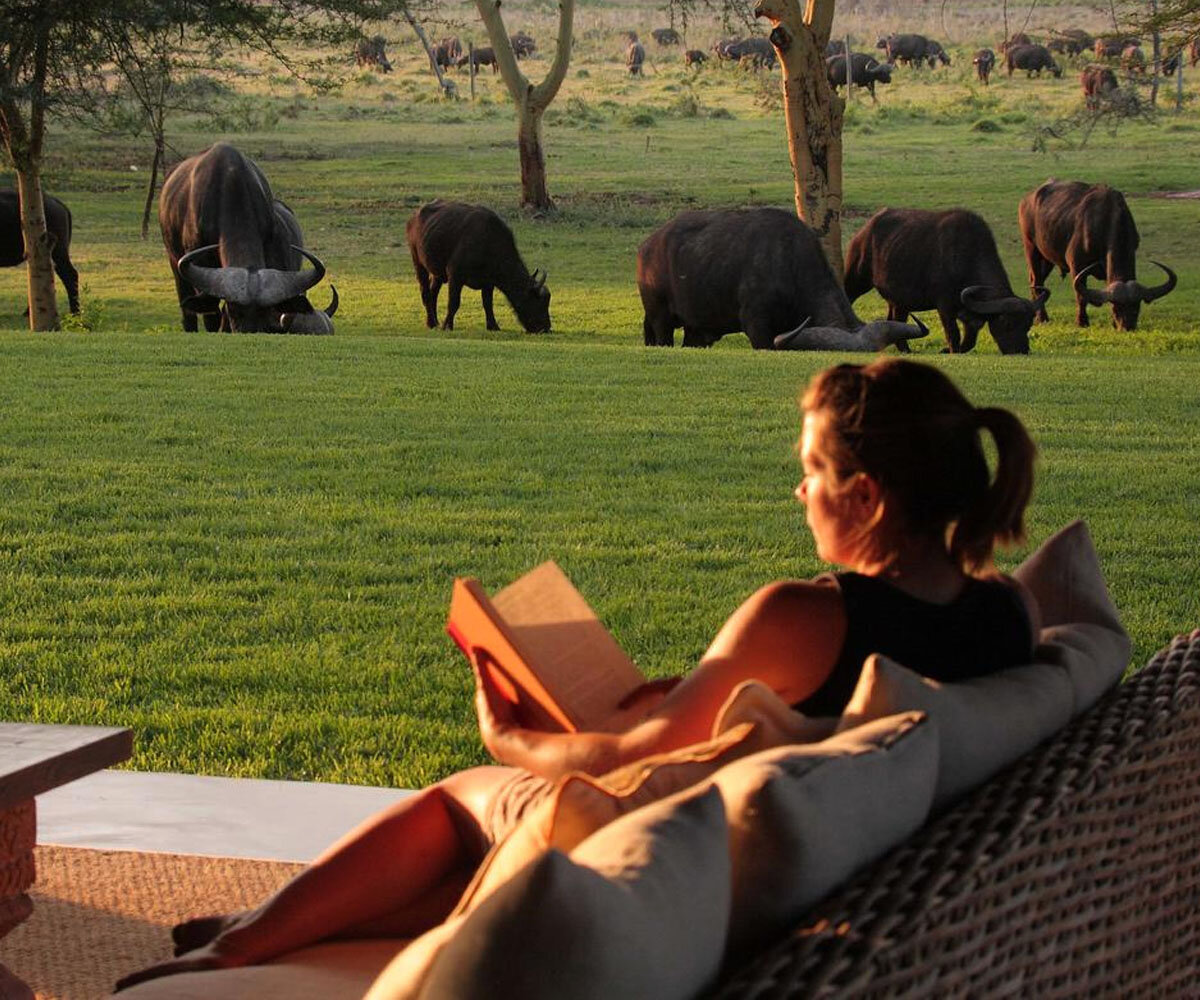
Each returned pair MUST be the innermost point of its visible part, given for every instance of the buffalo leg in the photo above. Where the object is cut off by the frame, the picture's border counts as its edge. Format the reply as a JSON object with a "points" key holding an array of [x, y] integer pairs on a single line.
{"points": [[428, 293], [185, 291], [900, 315], [949, 317], [212, 321], [453, 298], [1081, 316], [971, 327], [70, 279], [659, 332], [486, 294], [1039, 271], [694, 338]]}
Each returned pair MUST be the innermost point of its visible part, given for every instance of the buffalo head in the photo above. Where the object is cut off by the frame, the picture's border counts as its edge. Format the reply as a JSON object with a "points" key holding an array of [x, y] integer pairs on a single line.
{"points": [[1126, 297], [533, 308], [259, 299], [1008, 318]]}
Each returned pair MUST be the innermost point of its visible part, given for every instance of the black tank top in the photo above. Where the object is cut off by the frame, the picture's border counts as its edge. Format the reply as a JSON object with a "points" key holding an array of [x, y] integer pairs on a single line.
{"points": [[986, 628]]}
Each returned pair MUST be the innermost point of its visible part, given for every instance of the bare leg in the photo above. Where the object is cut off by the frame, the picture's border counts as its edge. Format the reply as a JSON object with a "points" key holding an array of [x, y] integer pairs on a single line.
{"points": [[396, 873]]}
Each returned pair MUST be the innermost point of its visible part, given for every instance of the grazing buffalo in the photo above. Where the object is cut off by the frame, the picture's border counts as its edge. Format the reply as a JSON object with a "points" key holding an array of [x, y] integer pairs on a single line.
{"points": [[758, 270], [370, 52], [694, 57], [217, 207], [448, 52], [1017, 38], [1077, 227], [984, 62], [912, 50], [1133, 60], [1071, 42], [1111, 46], [947, 261], [483, 56], [635, 56], [865, 71], [1032, 59], [1097, 82], [458, 244], [523, 45], [756, 50], [666, 36], [58, 225]]}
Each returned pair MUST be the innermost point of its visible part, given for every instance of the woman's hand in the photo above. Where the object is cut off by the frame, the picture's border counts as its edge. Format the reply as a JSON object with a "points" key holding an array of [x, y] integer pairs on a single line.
{"points": [[499, 728]]}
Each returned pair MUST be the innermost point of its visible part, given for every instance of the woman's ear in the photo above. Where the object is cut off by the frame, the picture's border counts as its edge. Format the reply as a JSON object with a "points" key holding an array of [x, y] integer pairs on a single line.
{"points": [[865, 496]]}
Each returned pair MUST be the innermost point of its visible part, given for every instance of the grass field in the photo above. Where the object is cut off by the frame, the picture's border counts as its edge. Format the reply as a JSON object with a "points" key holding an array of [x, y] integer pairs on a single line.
{"points": [[243, 546]]}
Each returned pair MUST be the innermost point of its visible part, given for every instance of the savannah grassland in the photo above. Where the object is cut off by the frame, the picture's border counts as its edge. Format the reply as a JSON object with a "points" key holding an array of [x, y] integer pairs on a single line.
{"points": [[242, 546]]}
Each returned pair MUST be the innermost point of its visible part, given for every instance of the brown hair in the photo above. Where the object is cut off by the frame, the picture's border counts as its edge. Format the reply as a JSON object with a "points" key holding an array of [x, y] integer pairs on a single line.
{"points": [[907, 426]]}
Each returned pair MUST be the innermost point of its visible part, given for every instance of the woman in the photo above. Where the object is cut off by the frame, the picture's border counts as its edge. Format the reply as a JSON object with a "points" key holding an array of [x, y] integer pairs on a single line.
{"points": [[896, 489]]}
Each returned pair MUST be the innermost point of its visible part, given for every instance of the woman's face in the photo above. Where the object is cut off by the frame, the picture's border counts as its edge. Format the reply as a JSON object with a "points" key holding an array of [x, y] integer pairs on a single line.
{"points": [[831, 511]]}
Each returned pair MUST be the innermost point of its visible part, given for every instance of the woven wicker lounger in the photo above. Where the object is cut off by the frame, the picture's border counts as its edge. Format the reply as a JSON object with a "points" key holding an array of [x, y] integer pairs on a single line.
{"points": [[1076, 872]]}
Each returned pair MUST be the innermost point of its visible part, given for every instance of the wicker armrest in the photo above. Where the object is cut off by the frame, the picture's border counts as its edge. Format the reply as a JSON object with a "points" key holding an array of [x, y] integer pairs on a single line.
{"points": [[1076, 871]]}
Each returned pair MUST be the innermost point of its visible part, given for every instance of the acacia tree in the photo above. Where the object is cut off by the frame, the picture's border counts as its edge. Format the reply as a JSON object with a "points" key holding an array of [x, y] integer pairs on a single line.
{"points": [[813, 115], [531, 100], [48, 47]]}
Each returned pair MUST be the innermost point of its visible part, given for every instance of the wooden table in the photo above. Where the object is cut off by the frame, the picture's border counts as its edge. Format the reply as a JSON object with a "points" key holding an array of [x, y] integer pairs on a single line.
{"points": [[35, 759]]}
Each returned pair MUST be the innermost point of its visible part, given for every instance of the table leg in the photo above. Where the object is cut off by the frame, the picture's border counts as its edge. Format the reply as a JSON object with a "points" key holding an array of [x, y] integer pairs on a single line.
{"points": [[18, 834]]}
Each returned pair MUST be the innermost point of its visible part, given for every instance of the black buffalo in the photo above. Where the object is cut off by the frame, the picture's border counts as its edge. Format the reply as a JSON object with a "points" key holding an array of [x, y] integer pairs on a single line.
{"points": [[758, 270], [523, 45], [58, 225], [1096, 82], [371, 52], [457, 244], [1171, 64], [910, 49], [1032, 59], [217, 208], [694, 57], [1079, 227], [865, 71], [947, 261], [756, 50], [485, 55], [635, 56], [1111, 46], [1071, 42], [984, 62], [666, 36]]}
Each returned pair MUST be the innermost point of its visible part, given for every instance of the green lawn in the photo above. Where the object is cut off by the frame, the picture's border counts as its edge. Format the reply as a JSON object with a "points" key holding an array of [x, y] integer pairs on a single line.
{"points": [[243, 546]]}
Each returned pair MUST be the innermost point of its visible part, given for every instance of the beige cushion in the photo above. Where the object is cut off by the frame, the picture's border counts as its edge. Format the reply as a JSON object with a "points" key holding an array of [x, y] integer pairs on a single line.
{"points": [[341, 970], [581, 804], [983, 724], [804, 818], [778, 723], [1082, 630], [639, 909]]}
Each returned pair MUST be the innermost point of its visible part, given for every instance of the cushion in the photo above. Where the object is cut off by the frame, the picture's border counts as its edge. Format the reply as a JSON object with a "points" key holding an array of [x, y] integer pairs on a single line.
{"points": [[803, 818], [1082, 630], [581, 804], [983, 724], [639, 909], [341, 970], [778, 723]]}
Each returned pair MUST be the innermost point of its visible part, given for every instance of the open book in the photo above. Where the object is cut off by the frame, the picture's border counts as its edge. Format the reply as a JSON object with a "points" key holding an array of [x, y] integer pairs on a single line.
{"points": [[546, 648]]}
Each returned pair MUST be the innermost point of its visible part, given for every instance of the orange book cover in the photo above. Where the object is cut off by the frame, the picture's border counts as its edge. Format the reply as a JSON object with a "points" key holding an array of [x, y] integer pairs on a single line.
{"points": [[547, 650]]}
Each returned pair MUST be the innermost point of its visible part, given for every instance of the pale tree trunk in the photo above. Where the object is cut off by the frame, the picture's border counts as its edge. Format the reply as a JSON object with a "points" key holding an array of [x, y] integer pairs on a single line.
{"points": [[813, 114], [446, 85], [531, 100], [24, 144]]}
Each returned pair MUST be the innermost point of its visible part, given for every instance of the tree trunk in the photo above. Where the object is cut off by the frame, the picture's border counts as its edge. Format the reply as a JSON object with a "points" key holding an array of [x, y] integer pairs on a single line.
{"points": [[531, 101], [447, 86], [154, 165], [24, 143], [43, 305], [813, 114]]}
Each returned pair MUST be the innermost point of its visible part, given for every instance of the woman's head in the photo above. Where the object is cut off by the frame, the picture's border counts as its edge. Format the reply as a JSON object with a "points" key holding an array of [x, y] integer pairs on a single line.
{"points": [[917, 440]]}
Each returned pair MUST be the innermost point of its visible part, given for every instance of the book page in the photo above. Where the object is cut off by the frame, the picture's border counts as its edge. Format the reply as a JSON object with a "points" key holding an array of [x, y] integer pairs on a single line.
{"points": [[577, 661]]}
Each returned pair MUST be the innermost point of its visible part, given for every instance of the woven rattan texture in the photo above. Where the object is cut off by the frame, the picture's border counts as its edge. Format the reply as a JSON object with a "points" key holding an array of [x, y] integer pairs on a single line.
{"points": [[1076, 872]]}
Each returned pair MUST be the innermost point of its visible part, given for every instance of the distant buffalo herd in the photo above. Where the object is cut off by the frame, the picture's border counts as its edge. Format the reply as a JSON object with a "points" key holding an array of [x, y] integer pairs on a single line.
{"points": [[237, 253]]}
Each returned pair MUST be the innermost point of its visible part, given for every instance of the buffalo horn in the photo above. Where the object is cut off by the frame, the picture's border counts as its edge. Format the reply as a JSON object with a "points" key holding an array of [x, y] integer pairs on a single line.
{"points": [[971, 298], [1158, 291], [538, 277], [874, 336], [251, 286], [333, 304], [1092, 296], [784, 342]]}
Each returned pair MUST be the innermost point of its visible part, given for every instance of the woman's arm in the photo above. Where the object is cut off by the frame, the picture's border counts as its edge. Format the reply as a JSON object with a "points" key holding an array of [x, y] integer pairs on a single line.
{"points": [[787, 635]]}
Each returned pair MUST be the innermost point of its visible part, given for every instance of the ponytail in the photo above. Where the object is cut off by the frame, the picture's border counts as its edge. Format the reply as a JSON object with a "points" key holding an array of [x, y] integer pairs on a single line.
{"points": [[998, 515]]}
